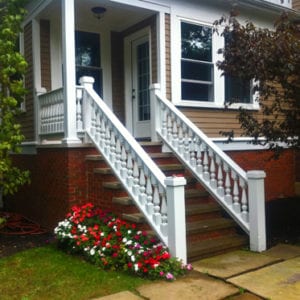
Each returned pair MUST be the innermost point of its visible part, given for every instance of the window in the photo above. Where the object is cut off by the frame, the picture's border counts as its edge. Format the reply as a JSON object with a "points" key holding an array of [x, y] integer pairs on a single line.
{"points": [[196, 62], [237, 90], [88, 58]]}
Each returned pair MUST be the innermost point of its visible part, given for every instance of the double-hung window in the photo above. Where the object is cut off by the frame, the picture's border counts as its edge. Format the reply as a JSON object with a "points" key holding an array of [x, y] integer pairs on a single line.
{"points": [[196, 63], [202, 83]]}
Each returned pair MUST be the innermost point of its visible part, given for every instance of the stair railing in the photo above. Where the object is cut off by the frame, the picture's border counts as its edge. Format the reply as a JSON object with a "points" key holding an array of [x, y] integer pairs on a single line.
{"points": [[240, 193], [159, 198]]}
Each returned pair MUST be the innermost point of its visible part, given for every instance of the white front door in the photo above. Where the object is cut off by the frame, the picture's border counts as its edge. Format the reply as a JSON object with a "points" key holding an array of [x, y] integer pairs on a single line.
{"points": [[137, 86]]}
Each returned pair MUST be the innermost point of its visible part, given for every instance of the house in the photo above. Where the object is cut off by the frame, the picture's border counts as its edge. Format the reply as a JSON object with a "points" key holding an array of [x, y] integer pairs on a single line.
{"points": [[118, 87]]}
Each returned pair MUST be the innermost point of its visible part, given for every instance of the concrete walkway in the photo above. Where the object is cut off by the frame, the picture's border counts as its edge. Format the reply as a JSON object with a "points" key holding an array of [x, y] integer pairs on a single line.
{"points": [[238, 275]]}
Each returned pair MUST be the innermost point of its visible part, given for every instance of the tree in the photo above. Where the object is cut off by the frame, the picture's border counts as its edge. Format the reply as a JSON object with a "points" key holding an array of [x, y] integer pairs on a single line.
{"points": [[12, 92], [270, 58]]}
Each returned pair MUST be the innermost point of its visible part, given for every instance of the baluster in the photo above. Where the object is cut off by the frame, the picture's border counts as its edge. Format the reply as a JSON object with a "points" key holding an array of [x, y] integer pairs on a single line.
{"points": [[112, 152], [169, 127], [164, 215], [212, 170], [98, 127], [118, 155], [61, 116], [79, 122], [142, 195], [102, 132], [205, 164], [180, 140], [107, 141], [220, 188], [164, 129], [228, 196], [156, 202], [244, 201], [186, 150], [236, 204], [199, 165], [136, 186], [175, 134], [123, 163], [149, 192], [93, 120], [129, 170], [192, 153]]}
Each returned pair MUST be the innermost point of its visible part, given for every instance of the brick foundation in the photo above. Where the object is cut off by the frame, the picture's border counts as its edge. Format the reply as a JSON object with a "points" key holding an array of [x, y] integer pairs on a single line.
{"points": [[61, 177]]}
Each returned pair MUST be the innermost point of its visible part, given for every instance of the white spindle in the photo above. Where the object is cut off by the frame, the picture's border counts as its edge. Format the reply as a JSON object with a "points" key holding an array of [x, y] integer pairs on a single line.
{"points": [[212, 170], [142, 182], [136, 186], [118, 163], [123, 163], [149, 192], [156, 206], [205, 165], [220, 188], [236, 199], [130, 170], [228, 196]]}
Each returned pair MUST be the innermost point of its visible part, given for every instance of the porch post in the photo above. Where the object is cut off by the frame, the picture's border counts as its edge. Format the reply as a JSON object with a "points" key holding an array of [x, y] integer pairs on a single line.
{"points": [[176, 217], [69, 75], [155, 112], [257, 216]]}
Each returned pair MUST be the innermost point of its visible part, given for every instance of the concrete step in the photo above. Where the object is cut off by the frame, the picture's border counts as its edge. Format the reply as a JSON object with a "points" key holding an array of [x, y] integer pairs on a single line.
{"points": [[114, 185], [214, 246], [124, 201]]}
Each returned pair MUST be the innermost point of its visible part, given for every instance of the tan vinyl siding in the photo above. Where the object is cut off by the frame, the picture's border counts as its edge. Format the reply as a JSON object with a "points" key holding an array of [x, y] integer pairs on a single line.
{"points": [[168, 56], [27, 118], [296, 4], [45, 54], [117, 67]]}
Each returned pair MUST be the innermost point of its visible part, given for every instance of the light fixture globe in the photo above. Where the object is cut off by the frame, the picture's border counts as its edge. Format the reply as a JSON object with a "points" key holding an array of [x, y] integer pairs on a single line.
{"points": [[98, 11]]}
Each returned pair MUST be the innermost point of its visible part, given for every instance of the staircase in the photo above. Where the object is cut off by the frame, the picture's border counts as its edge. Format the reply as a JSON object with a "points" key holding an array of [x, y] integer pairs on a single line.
{"points": [[209, 229]]}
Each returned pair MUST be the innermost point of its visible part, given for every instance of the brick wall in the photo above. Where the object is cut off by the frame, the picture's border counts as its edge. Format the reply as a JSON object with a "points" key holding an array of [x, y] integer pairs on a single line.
{"points": [[280, 179], [58, 181]]}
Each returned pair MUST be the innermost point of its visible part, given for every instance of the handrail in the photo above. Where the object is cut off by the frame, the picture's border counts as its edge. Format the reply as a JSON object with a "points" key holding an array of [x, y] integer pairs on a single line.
{"points": [[141, 177], [218, 173]]}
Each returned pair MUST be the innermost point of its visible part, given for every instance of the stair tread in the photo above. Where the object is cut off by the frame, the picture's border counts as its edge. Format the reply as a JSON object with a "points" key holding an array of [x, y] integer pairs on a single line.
{"points": [[134, 217], [209, 225], [202, 208], [161, 155], [94, 157], [103, 170], [126, 200], [216, 244], [192, 193], [116, 185]]}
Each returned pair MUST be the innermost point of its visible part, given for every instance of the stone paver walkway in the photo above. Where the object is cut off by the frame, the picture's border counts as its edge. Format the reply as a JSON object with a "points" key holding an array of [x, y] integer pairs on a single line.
{"points": [[273, 274]]}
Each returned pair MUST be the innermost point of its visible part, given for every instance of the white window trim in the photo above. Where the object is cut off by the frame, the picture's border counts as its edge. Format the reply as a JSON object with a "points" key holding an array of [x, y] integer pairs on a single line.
{"points": [[219, 80]]}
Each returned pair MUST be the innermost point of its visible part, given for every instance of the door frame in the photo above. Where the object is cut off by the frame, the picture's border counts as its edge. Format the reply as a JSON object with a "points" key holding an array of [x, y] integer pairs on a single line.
{"points": [[128, 74]]}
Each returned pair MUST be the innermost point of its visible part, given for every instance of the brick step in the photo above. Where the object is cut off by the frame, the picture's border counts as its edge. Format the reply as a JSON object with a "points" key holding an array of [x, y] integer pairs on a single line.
{"points": [[215, 246]]}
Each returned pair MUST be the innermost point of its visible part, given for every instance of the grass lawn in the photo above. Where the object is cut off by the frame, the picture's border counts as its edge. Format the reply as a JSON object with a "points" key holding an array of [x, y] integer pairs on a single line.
{"points": [[48, 273]]}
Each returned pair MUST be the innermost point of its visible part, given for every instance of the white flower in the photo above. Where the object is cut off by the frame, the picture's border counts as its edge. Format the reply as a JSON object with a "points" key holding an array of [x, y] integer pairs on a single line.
{"points": [[133, 258], [136, 267], [129, 253], [129, 242], [92, 251], [124, 240], [129, 231], [102, 234]]}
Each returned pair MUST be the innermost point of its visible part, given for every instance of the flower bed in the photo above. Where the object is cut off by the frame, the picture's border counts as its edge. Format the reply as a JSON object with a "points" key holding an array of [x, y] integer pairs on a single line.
{"points": [[112, 243]]}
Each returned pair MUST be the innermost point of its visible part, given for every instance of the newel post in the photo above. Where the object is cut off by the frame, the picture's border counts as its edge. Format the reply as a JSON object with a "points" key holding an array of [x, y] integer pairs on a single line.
{"points": [[176, 217], [257, 216], [155, 111], [87, 82]]}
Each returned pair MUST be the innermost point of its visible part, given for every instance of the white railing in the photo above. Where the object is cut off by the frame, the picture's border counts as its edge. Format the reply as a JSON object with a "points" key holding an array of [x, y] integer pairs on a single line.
{"points": [[160, 199], [241, 194], [285, 3], [51, 112]]}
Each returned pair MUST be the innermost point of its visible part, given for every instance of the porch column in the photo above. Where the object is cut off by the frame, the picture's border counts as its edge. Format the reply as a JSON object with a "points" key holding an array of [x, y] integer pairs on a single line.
{"points": [[161, 50], [69, 75]]}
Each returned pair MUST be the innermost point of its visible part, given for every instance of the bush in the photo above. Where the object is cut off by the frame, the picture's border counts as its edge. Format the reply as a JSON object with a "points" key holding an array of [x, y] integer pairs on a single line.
{"points": [[112, 243]]}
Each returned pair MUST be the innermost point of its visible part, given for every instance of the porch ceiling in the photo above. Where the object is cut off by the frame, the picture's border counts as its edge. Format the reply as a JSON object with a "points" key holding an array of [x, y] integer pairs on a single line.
{"points": [[116, 18]]}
